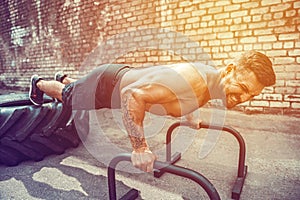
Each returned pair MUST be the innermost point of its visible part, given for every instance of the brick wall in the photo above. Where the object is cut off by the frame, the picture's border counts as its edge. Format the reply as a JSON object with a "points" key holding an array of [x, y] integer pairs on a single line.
{"points": [[75, 35]]}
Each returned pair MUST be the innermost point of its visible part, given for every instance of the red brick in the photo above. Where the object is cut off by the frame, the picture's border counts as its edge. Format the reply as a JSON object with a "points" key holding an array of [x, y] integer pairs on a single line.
{"points": [[294, 52], [276, 53], [167, 24], [225, 35], [136, 23], [285, 29], [189, 9], [223, 3], [206, 5], [288, 45], [285, 90], [258, 97], [239, 13], [248, 40], [237, 20], [257, 46], [252, 110], [152, 59], [259, 10], [205, 31], [256, 18], [270, 2], [193, 20], [257, 25], [131, 19], [191, 32], [178, 10], [228, 41], [280, 83], [221, 16], [206, 18], [126, 15], [215, 10], [290, 13], [268, 90], [232, 7], [285, 75], [278, 15], [278, 104], [240, 1], [247, 19], [250, 5], [295, 105], [243, 33], [220, 55], [289, 36], [293, 83], [267, 16], [228, 21], [210, 36], [260, 103], [279, 22], [284, 60], [185, 3], [220, 22], [164, 58], [269, 38], [184, 15], [220, 29], [280, 7], [238, 27], [274, 97], [292, 97], [196, 13]]}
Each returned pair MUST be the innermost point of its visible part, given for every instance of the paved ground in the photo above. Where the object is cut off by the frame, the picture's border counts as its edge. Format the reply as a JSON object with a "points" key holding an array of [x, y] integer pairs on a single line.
{"points": [[273, 160]]}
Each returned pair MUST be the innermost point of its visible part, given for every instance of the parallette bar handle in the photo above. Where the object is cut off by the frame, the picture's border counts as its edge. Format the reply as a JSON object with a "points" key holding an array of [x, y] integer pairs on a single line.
{"points": [[173, 169]]}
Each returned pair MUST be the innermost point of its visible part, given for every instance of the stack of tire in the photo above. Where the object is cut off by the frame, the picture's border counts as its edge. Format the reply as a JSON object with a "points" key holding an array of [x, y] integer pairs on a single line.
{"points": [[29, 132]]}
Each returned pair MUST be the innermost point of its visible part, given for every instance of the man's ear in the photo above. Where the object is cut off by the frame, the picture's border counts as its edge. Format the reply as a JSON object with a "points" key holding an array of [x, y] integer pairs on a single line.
{"points": [[230, 68]]}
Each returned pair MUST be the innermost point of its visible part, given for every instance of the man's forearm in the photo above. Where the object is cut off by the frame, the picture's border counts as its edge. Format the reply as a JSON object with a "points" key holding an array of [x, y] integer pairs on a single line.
{"points": [[133, 116]]}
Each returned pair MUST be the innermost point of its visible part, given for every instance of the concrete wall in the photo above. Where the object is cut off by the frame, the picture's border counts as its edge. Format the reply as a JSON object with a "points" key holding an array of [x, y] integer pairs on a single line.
{"points": [[75, 35]]}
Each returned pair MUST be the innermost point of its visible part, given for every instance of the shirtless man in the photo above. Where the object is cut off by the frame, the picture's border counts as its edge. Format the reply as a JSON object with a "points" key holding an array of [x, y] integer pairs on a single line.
{"points": [[175, 90]]}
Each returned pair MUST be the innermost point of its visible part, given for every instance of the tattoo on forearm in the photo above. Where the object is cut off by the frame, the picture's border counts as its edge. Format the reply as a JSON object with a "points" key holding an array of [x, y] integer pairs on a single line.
{"points": [[135, 131]]}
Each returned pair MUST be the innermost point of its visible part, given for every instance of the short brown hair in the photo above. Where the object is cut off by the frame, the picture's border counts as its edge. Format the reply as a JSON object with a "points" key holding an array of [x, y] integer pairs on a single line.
{"points": [[258, 63]]}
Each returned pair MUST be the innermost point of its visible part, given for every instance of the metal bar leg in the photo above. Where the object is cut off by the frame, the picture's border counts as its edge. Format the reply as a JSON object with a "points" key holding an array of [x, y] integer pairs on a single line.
{"points": [[242, 168]]}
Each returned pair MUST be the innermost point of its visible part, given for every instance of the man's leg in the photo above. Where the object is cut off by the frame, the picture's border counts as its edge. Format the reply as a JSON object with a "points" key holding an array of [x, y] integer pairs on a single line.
{"points": [[63, 78], [51, 88], [68, 80], [39, 86]]}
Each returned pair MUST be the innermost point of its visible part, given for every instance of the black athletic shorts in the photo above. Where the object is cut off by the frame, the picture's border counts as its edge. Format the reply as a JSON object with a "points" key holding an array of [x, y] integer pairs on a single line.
{"points": [[99, 89]]}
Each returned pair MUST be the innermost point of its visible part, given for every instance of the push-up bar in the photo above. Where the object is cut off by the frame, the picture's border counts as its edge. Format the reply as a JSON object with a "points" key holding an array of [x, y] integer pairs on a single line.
{"points": [[242, 168], [166, 167]]}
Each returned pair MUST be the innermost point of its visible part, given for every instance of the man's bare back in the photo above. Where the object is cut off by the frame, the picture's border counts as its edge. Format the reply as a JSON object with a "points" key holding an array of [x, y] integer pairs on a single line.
{"points": [[174, 90]]}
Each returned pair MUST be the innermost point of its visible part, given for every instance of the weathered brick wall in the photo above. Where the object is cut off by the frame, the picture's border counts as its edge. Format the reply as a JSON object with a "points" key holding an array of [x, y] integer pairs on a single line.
{"points": [[75, 35]]}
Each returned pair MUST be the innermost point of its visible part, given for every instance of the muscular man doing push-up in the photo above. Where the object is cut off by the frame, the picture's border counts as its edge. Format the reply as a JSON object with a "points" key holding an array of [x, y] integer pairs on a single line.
{"points": [[175, 90]]}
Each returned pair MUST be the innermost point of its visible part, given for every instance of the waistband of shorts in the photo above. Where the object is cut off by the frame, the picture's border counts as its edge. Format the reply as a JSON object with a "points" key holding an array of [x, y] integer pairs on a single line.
{"points": [[119, 73]]}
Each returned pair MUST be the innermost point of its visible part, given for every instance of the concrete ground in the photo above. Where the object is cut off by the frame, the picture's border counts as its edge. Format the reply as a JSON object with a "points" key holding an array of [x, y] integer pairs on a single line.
{"points": [[273, 160]]}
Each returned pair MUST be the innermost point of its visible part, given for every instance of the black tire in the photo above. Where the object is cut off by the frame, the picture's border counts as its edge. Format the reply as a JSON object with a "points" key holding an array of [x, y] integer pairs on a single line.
{"points": [[29, 132]]}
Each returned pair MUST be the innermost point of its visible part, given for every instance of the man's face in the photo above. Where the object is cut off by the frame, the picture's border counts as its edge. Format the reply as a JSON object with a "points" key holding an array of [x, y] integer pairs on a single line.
{"points": [[240, 87]]}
